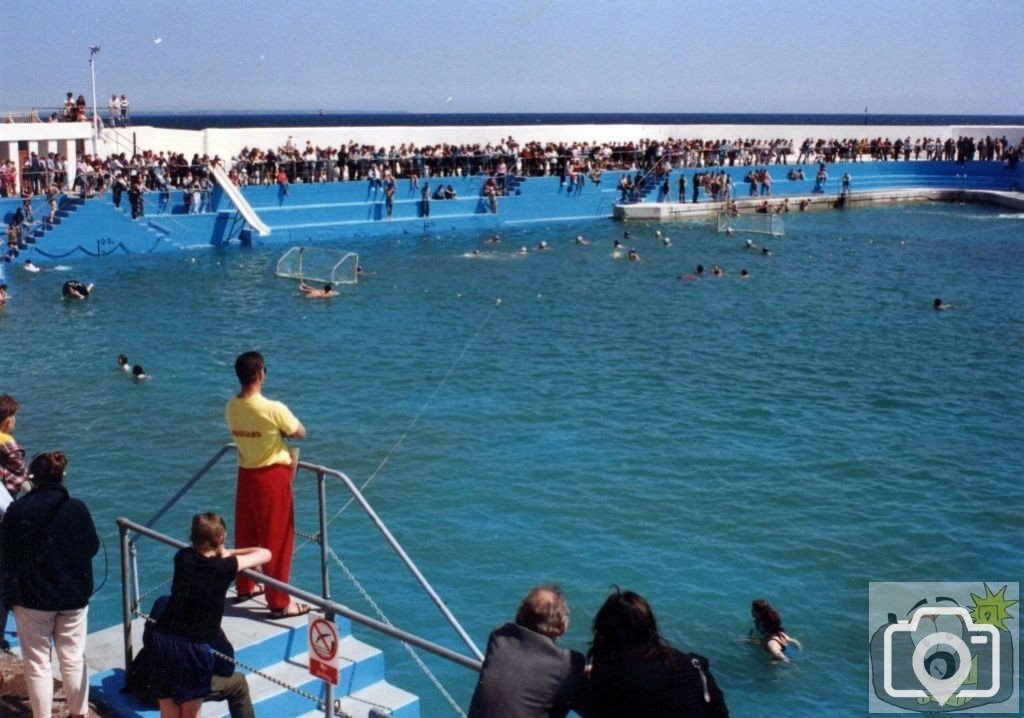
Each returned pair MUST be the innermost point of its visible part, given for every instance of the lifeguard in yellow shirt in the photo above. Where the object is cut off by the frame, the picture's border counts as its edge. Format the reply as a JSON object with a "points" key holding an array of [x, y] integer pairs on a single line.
{"points": [[264, 514]]}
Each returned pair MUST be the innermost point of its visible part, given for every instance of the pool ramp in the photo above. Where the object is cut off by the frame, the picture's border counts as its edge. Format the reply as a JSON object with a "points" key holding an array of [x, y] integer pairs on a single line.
{"points": [[277, 648]]}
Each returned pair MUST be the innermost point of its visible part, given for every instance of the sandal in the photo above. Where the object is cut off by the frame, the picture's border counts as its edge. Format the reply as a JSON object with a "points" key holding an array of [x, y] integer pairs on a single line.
{"points": [[292, 610], [243, 597]]}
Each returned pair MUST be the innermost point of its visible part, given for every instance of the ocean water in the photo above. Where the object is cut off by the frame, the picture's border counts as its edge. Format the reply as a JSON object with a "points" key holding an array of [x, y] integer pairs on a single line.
{"points": [[792, 436], [202, 120]]}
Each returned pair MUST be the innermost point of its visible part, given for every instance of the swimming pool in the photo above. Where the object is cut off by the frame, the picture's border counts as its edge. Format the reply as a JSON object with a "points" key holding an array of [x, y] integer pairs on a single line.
{"points": [[792, 436]]}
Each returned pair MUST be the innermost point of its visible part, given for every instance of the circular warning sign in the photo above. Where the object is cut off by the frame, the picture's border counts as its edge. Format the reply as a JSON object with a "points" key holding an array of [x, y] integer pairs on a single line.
{"points": [[323, 639]]}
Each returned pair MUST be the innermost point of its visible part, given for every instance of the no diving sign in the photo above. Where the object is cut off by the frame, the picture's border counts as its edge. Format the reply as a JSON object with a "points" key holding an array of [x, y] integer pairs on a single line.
{"points": [[324, 660]]}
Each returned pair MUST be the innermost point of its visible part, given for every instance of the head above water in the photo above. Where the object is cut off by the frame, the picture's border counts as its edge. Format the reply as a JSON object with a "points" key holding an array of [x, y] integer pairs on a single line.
{"points": [[122, 359], [545, 611]]}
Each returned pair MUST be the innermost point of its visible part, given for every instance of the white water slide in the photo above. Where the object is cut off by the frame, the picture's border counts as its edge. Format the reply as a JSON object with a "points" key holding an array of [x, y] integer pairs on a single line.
{"points": [[241, 204]]}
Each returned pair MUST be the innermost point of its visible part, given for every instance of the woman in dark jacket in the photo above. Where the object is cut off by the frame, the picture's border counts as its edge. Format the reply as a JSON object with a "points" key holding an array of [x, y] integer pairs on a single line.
{"points": [[48, 542], [636, 673]]}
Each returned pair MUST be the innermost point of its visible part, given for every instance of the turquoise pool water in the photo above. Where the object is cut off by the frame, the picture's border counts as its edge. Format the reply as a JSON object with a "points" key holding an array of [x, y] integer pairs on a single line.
{"points": [[792, 436]]}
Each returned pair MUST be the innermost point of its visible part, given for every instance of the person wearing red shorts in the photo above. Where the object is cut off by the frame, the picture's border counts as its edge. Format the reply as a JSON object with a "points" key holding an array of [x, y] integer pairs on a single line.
{"points": [[266, 467]]}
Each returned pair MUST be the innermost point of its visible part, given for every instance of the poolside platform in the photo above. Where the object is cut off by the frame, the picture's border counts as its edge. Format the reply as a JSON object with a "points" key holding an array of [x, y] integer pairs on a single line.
{"points": [[274, 647]]}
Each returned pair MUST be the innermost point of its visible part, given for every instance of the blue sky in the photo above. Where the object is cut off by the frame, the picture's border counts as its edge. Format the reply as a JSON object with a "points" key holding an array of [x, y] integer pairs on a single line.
{"points": [[893, 56]]}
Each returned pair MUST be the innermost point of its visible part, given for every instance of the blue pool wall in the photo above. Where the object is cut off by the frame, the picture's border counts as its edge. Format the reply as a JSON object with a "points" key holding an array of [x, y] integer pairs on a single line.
{"points": [[351, 210]]}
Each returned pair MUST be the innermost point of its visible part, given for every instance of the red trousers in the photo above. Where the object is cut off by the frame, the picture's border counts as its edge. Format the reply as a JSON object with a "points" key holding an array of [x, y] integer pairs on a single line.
{"points": [[264, 517]]}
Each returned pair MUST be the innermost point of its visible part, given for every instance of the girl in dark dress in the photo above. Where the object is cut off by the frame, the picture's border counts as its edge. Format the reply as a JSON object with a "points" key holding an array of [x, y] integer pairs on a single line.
{"points": [[182, 661], [635, 672]]}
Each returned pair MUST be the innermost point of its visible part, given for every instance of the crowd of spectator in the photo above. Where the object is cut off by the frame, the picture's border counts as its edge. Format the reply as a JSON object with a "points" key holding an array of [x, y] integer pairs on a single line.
{"points": [[572, 161]]}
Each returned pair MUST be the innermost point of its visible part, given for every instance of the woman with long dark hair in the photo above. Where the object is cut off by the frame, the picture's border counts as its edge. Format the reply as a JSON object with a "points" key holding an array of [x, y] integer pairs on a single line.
{"points": [[635, 672], [768, 625]]}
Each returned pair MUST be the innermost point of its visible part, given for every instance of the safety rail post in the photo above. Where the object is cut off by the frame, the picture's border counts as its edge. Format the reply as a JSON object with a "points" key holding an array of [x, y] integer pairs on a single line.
{"points": [[126, 611], [136, 596], [321, 487], [397, 548]]}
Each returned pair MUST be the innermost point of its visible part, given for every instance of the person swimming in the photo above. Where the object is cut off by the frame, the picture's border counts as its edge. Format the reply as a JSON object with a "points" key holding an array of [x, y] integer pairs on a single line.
{"points": [[73, 289], [543, 246], [767, 623], [717, 271], [766, 252], [744, 274], [700, 270], [4, 296], [29, 267], [311, 293], [495, 239], [666, 242], [940, 306], [750, 245], [522, 251], [633, 255], [122, 363], [580, 240], [139, 374]]}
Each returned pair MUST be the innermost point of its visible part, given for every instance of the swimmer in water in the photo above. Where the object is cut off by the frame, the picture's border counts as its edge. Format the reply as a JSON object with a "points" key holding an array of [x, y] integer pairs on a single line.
{"points": [[139, 374], [766, 252], [625, 235], [768, 625], [728, 231], [666, 242], [744, 274], [633, 256], [717, 271], [29, 267], [495, 239], [700, 270], [750, 245], [73, 289], [617, 244], [542, 247], [311, 293], [522, 251], [940, 306], [580, 241], [476, 252], [4, 296], [122, 363]]}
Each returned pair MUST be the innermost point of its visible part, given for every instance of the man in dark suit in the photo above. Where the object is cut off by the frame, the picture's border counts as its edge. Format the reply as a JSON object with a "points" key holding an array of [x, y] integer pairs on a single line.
{"points": [[525, 675]]}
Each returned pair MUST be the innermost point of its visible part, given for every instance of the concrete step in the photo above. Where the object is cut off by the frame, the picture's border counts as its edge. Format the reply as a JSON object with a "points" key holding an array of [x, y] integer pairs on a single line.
{"points": [[276, 647]]}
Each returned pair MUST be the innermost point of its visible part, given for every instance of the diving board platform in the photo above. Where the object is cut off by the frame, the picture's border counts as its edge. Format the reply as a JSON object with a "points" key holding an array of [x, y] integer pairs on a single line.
{"points": [[241, 204]]}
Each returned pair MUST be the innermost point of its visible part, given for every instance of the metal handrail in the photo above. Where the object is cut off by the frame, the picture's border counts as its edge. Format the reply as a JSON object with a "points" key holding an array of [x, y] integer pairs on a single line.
{"points": [[322, 472], [329, 607]]}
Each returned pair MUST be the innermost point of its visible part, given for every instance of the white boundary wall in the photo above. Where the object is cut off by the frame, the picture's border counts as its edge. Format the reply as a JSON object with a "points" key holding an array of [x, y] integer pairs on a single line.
{"points": [[228, 142]]}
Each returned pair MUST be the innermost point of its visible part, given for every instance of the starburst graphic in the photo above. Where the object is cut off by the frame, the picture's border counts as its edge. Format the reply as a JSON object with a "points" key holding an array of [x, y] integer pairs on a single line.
{"points": [[992, 608]]}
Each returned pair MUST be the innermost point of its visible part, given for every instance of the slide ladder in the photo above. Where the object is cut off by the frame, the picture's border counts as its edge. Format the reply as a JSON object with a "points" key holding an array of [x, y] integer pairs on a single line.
{"points": [[244, 208]]}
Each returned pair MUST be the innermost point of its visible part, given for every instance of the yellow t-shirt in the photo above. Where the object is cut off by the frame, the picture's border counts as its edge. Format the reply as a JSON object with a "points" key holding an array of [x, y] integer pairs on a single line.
{"points": [[258, 425]]}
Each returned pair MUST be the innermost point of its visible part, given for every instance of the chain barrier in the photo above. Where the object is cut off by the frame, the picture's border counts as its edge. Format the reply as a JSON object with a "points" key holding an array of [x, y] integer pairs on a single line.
{"points": [[384, 619]]}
